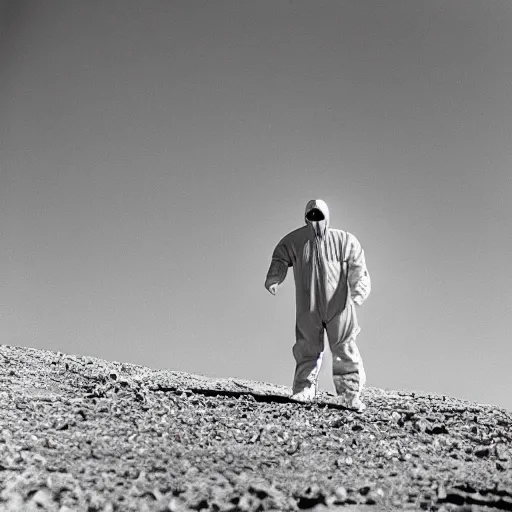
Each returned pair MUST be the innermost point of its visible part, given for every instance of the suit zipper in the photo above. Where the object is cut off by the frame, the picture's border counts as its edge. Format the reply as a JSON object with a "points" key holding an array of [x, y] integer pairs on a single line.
{"points": [[321, 276]]}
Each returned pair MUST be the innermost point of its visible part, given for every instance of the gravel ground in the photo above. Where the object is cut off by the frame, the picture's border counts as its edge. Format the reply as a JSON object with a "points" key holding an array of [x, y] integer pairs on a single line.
{"points": [[81, 433]]}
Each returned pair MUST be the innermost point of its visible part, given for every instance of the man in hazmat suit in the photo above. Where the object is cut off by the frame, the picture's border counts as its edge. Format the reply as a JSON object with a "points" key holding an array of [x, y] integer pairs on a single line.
{"points": [[330, 277]]}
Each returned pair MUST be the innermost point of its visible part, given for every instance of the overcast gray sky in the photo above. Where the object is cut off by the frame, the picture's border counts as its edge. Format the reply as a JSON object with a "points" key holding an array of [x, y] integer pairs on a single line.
{"points": [[153, 153]]}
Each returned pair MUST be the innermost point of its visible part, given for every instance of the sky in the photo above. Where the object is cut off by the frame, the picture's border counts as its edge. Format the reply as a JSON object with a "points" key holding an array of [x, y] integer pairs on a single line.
{"points": [[152, 154]]}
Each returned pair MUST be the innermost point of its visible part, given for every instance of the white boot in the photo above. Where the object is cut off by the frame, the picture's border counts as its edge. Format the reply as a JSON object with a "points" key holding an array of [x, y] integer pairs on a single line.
{"points": [[306, 395], [353, 402]]}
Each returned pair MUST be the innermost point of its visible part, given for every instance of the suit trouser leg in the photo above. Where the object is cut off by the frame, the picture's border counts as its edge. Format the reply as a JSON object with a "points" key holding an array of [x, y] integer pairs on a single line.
{"points": [[347, 365], [308, 351]]}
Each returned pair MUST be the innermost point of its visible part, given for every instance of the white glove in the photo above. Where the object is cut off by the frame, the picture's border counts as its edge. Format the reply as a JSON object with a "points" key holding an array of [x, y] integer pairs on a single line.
{"points": [[273, 288]]}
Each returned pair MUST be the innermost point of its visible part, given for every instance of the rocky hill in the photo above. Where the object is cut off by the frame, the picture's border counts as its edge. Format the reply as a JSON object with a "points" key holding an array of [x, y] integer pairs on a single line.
{"points": [[81, 433]]}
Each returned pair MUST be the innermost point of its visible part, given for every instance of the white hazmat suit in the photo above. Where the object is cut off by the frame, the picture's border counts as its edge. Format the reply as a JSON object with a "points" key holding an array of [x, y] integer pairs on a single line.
{"points": [[330, 276]]}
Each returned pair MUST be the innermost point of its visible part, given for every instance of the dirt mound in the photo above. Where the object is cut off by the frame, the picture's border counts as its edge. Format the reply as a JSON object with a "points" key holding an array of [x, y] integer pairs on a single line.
{"points": [[81, 433]]}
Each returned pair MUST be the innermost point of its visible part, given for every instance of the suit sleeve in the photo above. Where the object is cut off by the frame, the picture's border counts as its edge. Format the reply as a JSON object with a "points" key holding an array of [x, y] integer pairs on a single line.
{"points": [[358, 275], [279, 265]]}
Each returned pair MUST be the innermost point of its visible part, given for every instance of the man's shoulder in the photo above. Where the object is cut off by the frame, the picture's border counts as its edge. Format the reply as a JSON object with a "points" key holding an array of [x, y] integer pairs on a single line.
{"points": [[296, 234], [339, 233], [347, 239], [352, 239], [342, 232]]}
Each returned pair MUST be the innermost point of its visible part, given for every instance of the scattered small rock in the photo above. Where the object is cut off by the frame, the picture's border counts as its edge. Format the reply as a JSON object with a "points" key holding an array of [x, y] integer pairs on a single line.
{"points": [[501, 452], [121, 437], [341, 494]]}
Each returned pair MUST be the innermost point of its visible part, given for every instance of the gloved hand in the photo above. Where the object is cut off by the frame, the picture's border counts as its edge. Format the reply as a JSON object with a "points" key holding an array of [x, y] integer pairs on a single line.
{"points": [[273, 288], [358, 300]]}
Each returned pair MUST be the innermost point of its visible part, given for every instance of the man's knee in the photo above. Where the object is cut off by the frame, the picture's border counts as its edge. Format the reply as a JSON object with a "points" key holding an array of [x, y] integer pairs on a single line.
{"points": [[345, 366], [304, 351], [346, 352]]}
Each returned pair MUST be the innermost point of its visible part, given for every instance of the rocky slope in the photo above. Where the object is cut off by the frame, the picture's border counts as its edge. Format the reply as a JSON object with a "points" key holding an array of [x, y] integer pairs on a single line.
{"points": [[80, 433]]}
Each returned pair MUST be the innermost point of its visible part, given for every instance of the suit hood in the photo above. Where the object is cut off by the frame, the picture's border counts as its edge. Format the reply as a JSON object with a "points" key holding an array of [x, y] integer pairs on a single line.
{"points": [[319, 227]]}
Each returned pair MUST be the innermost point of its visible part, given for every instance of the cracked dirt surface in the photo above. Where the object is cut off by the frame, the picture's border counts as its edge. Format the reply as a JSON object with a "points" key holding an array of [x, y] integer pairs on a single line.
{"points": [[81, 433]]}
